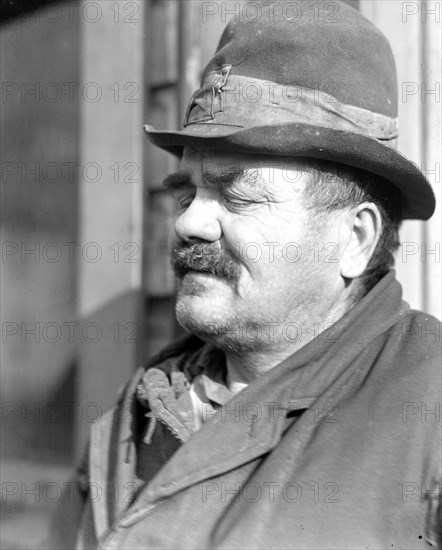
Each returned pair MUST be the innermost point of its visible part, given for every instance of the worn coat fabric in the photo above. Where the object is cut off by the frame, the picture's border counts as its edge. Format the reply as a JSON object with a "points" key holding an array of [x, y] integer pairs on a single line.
{"points": [[337, 447]]}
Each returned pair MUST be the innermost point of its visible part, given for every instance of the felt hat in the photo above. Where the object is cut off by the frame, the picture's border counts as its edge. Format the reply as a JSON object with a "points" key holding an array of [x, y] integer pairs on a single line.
{"points": [[303, 79]]}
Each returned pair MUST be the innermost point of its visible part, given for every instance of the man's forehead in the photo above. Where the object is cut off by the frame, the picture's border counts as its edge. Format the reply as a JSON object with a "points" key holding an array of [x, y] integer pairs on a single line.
{"points": [[219, 170], [210, 163]]}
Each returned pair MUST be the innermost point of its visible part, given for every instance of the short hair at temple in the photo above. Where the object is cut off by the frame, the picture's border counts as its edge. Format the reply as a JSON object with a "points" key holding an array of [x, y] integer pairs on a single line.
{"points": [[336, 186]]}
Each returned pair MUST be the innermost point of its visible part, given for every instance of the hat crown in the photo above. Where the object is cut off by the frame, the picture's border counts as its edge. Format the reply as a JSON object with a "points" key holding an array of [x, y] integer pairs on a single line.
{"points": [[325, 46]]}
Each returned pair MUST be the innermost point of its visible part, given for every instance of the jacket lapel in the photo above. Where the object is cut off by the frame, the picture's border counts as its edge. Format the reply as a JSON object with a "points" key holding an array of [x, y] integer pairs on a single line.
{"points": [[238, 433]]}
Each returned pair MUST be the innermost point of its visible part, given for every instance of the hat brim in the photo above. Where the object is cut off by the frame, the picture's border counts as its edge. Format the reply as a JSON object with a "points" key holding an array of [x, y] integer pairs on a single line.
{"points": [[304, 140]]}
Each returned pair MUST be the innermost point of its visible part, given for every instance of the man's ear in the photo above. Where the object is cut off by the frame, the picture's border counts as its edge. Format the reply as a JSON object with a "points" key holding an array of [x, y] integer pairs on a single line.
{"points": [[365, 228]]}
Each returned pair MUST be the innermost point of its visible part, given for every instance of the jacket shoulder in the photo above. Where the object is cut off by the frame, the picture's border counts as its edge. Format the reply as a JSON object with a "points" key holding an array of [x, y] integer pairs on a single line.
{"points": [[411, 354], [420, 334]]}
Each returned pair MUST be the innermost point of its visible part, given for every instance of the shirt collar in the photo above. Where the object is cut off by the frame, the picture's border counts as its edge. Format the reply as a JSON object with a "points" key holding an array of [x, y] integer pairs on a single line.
{"points": [[208, 370]]}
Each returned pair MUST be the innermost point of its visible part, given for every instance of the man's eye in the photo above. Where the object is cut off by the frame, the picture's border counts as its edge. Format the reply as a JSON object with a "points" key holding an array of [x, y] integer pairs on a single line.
{"points": [[236, 204], [184, 201]]}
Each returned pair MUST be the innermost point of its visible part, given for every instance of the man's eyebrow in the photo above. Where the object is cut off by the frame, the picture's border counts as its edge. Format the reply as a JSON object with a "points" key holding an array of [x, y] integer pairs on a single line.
{"points": [[221, 180], [227, 178], [176, 181]]}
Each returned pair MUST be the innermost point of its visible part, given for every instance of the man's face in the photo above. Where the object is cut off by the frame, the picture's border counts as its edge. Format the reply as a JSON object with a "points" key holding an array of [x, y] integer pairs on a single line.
{"points": [[253, 270]]}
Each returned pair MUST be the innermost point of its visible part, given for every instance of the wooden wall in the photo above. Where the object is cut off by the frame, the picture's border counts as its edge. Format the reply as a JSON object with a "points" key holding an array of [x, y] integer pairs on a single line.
{"points": [[414, 32]]}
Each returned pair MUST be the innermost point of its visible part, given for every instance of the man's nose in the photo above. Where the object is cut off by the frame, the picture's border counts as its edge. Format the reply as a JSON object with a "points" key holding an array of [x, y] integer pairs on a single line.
{"points": [[200, 221]]}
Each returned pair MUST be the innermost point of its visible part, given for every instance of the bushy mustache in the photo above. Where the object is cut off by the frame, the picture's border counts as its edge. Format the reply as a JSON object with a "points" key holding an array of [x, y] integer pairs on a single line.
{"points": [[206, 258]]}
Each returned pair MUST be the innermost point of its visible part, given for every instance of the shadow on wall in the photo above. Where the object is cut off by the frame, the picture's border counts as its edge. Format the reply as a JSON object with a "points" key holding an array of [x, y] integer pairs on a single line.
{"points": [[44, 438]]}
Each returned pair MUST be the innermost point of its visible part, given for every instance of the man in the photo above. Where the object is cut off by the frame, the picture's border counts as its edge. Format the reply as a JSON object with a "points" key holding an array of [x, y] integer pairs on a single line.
{"points": [[284, 419]]}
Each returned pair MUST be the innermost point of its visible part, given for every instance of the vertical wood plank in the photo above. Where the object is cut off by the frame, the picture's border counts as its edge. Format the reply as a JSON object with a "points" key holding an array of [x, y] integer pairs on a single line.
{"points": [[160, 327], [112, 53], [190, 53], [404, 35], [162, 42], [39, 57], [162, 114], [431, 112], [160, 280]]}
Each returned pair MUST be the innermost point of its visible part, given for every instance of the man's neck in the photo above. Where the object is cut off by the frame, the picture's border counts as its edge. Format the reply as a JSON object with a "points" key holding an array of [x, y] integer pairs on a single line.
{"points": [[245, 366]]}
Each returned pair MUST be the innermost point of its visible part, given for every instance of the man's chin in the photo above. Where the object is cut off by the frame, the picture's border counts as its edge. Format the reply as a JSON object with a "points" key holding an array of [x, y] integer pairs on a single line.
{"points": [[205, 304], [218, 326], [202, 314]]}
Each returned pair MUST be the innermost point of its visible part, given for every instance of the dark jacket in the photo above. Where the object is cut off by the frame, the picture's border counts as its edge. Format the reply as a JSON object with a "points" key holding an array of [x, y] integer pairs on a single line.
{"points": [[337, 447]]}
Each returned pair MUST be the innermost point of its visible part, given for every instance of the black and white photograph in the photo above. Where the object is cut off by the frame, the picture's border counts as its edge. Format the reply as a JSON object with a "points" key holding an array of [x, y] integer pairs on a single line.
{"points": [[220, 274]]}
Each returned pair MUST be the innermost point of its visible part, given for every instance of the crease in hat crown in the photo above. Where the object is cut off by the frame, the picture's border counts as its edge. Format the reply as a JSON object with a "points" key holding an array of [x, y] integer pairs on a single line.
{"points": [[304, 86]]}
